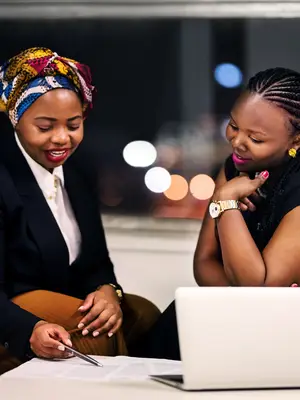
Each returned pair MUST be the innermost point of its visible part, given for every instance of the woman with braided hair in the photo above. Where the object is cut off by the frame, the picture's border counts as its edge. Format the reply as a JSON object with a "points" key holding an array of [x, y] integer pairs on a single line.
{"points": [[250, 234], [57, 282]]}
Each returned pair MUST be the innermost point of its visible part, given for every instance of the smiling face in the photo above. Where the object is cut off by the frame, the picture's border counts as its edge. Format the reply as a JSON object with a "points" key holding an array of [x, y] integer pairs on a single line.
{"points": [[52, 128], [260, 134]]}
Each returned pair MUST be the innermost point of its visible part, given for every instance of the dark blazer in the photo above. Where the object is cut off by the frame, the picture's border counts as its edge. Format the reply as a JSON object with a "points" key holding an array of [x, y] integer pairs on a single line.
{"points": [[33, 253]]}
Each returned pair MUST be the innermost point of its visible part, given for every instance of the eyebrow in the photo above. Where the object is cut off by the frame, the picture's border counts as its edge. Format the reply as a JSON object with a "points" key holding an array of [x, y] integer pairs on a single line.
{"points": [[54, 119], [250, 130], [257, 132]]}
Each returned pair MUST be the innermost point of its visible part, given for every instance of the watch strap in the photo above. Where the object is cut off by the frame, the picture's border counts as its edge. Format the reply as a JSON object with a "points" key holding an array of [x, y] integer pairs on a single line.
{"points": [[217, 208], [118, 290], [228, 205]]}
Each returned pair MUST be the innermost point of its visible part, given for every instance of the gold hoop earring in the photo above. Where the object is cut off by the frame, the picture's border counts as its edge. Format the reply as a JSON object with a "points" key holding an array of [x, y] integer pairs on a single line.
{"points": [[292, 152]]}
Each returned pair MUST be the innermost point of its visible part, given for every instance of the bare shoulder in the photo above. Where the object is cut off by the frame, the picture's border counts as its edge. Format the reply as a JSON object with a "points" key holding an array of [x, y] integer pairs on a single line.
{"points": [[289, 225], [282, 254]]}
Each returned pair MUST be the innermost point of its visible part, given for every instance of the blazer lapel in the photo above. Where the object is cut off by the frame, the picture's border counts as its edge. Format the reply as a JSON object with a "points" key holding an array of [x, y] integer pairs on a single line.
{"points": [[79, 200], [41, 222]]}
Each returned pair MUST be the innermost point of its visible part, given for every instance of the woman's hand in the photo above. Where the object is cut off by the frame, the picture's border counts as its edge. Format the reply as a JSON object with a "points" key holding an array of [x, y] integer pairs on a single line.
{"points": [[105, 314], [47, 340], [249, 203], [240, 188]]}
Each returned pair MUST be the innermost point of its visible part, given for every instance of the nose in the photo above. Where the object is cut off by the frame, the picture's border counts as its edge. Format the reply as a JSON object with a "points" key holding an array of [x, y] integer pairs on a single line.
{"points": [[238, 142], [60, 137]]}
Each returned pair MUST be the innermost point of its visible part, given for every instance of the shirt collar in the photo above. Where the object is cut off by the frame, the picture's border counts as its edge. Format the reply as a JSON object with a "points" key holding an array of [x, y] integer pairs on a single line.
{"points": [[43, 177]]}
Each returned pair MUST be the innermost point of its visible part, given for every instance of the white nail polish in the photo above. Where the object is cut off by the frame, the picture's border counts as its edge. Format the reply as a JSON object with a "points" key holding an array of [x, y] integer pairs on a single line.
{"points": [[110, 334], [85, 332], [69, 343], [81, 325], [95, 334], [61, 347]]}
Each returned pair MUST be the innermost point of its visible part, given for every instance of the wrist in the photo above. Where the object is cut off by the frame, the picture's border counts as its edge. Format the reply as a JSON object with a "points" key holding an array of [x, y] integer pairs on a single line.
{"points": [[221, 195], [112, 291], [218, 207], [39, 324]]}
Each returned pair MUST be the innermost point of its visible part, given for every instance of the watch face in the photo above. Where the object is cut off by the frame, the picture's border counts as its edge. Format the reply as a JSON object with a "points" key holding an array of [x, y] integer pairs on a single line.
{"points": [[214, 210]]}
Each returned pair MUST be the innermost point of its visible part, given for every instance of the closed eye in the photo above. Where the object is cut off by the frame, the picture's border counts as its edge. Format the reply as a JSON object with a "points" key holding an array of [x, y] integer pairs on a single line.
{"points": [[73, 128], [41, 129], [234, 127], [256, 140]]}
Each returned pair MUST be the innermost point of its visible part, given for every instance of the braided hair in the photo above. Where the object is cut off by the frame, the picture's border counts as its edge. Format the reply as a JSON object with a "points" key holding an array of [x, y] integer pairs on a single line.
{"points": [[280, 86]]}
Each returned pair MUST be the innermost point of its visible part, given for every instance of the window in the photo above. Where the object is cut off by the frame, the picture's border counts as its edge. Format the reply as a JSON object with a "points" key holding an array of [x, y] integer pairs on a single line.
{"points": [[170, 82]]}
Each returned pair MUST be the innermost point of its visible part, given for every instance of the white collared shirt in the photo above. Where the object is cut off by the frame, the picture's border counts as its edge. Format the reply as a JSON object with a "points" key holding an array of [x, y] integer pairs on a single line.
{"points": [[52, 186]]}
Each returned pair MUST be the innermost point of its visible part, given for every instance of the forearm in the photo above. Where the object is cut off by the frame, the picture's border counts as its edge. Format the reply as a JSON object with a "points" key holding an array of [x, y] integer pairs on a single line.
{"points": [[241, 257], [101, 276], [210, 272]]}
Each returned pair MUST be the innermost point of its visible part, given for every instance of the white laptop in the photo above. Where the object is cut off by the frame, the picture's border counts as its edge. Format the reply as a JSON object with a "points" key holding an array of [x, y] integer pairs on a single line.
{"points": [[237, 338]]}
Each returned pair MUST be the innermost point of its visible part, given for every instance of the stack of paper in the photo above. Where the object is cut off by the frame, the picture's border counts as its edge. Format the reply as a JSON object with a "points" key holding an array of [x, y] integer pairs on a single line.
{"points": [[114, 369]]}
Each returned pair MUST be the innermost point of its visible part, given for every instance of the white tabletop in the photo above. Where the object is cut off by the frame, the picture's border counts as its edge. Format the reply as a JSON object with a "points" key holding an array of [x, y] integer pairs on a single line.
{"points": [[59, 389], [122, 378]]}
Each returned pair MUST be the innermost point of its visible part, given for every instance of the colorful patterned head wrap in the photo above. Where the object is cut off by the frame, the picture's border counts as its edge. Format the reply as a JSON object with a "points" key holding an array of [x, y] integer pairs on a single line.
{"points": [[34, 72]]}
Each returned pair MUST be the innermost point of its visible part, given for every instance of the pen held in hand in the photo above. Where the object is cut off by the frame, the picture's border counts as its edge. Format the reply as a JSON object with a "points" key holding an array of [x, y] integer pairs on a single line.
{"points": [[83, 356]]}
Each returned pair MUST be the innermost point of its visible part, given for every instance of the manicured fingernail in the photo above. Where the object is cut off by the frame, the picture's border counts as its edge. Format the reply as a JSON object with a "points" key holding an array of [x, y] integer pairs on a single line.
{"points": [[110, 334], [294, 285], [95, 334], [85, 332], [81, 308], [81, 325], [61, 347], [264, 174], [69, 343]]}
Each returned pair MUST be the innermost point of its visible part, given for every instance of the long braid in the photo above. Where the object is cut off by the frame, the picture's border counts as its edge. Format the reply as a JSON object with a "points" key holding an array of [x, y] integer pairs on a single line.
{"points": [[280, 86]]}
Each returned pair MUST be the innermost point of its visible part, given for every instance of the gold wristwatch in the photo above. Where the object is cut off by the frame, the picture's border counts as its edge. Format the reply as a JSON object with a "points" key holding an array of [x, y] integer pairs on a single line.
{"points": [[216, 208], [118, 291]]}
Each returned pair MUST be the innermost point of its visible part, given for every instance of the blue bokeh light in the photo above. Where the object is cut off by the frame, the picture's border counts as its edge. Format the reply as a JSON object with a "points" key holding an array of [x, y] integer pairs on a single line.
{"points": [[228, 75]]}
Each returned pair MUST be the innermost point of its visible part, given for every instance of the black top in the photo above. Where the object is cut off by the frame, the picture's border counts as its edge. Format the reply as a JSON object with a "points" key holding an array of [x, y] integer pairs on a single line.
{"points": [[33, 253], [285, 201]]}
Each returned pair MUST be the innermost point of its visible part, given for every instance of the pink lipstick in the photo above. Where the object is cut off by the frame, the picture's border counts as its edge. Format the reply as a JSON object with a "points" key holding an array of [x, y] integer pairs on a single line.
{"points": [[238, 160]]}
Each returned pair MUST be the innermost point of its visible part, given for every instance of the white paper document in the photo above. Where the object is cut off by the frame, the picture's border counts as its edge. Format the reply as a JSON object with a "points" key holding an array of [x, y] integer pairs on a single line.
{"points": [[114, 369]]}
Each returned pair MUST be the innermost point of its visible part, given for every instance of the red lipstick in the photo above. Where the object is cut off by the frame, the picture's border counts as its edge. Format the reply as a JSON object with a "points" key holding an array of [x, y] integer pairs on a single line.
{"points": [[57, 156]]}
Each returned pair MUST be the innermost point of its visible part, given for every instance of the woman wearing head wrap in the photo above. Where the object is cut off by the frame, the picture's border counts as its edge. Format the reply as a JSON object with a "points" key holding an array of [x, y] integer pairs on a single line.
{"points": [[52, 245]]}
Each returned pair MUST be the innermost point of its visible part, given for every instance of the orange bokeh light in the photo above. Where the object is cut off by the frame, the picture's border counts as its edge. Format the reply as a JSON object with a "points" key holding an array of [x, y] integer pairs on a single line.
{"points": [[179, 188]]}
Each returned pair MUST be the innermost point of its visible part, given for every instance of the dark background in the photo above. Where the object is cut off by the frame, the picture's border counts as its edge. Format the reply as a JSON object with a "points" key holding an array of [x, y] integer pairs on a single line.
{"points": [[142, 73]]}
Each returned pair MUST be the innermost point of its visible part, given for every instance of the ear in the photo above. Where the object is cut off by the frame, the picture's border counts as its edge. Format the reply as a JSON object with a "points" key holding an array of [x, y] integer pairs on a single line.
{"points": [[296, 141]]}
